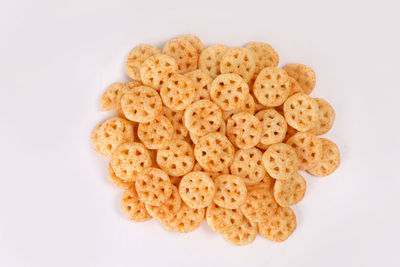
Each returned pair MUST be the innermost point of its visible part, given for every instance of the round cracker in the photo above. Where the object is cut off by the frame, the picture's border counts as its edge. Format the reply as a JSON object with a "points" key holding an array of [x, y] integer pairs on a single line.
{"points": [[194, 41], [247, 164], [132, 207], [326, 117], [260, 205], [243, 234], [280, 160], [280, 226], [202, 82], [303, 74], [222, 129], [136, 57], [167, 209], [197, 190], [178, 92], [110, 96], [264, 55], [126, 89], [330, 159], [176, 118], [239, 60], [301, 112], [244, 130], [308, 148], [184, 53], [210, 59], [157, 133], [221, 219], [273, 126], [248, 106], [230, 192], [202, 117], [186, 220], [291, 191], [157, 69], [213, 175], [115, 180]]}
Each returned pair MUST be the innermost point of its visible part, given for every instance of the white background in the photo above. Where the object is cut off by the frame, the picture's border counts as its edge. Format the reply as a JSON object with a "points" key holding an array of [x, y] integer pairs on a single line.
{"points": [[56, 205]]}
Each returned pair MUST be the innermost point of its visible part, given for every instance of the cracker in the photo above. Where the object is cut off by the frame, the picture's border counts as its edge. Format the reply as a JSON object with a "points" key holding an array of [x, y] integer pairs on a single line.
{"points": [[294, 87], [273, 126], [247, 164], [243, 234], [280, 160], [194, 41], [210, 59], [230, 192], [115, 180], [178, 92], [330, 159], [222, 129], [266, 182], [126, 89], [229, 91], [264, 55], [141, 104], [248, 106], [132, 207], [303, 74], [107, 136], [176, 118], [202, 117], [326, 117], [197, 190], [184, 53], [157, 69], [214, 152], [290, 132], [308, 148], [239, 60], [213, 175], [202, 82], [244, 130], [186, 220], [272, 87], [176, 158], [260, 205], [168, 209], [129, 159], [110, 96], [290, 191], [221, 219], [157, 133], [301, 112], [136, 58], [280, 226]]}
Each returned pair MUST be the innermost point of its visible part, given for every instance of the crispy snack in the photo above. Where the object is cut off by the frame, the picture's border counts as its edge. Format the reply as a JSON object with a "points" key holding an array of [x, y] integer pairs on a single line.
{"points": [[197, 189], [197, 167], [303, 74], [231, 191], [115, 180], [110, 96], [280, 226], [247, 164], [222, 129], [294, 87], [210, 59], [167, 209], [301, 112], [157, 133], [290, 191], [243, 234], [280, 160], [132, 207], [194, 41], [239, 60], [308, 148], [248, 106], [326, 117], [330, 159], [273, 125], [186, 220], [264, 55], [176, 158], [157, 69], [126, 89], [178, 92], [184, 53], [260, 205], [266, 182], [289, 133], [176, 118], [202, 82], [244, 130], [221, 219], [136, 58], [202, 117]]}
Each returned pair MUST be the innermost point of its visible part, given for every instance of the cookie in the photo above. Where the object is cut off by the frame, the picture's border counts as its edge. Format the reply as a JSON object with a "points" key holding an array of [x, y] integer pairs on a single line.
{"points": [[301, 112], [308, 148], [239, 60], [264, 55], [221, 220], [157, 69], [197, 190], [210, 59], [260, 205], [109, 98], [222, 129], [244, 130], [178, 92], [115, 180], [186, 220], [291, 191], [273, 126], [157, 133], [330, 159], [280, 160], [326, 117], [202, 117], [280, 226], [243, 234], [230, 192], [248, 106], [132, 207], [184, 53], [247, 164], [136, 57], [194, 41], [201, 81], [176, 118], [168, 209], [303, 74]]}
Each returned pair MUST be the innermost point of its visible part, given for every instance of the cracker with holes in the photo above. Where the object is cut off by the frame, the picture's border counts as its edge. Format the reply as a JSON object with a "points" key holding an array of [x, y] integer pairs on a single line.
{"points": [[330, 159], [194, 41], [273, 126], [260, 205], [294, 87], [280, 226], [231, 191], [141, 104], [197, 190], [201, 81], [308, 148], [242, 234], [197, 167], [326, 117], [214, 152], [244, 130], [221, 219], [239, 60], [184, 53], [280, 160], [132, 207], [202, 117], [124, 90], [248, 106], [291, 191], [176, 118], [229, 91], [115, 180], [157, 133], [272, 87], [247, 164], [266, 182], [107, 136], [186, 220], [178, 92], [176, 158], [129, 159], [110, 96], [264, 55], [210, 59], [136, 57], [221, 129], [157, 69], [301, 112], [168, 209], [303, 74]]}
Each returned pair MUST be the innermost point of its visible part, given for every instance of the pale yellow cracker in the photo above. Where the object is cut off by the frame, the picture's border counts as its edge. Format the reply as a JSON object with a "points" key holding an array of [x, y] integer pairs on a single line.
{"points": [[260, 205], [210, 59], [239, 60], [266, 182], [178, 92], [110, 96], [132, 207], [157, 69], [136, 57], [230, 192], [273, 125], [244, 130], [157, 133], [330, 159], [214, 152], [272, 87], [326, 117], [167, 209], [264, 55], [197, 167], [248, 106], [129, 159], [194, 41], [290, 191], [308, 148], [221, 219], [221, 129], [243, 234], [280, 226], [176, 158], [176, 118], [141, 104], [280, 160], [247, 164], [202, 82], [184, 53], [229, 91], [115, 180], [186, 220], [301, 112], [126, 89], [303, 74], [202, 117], [197, 190]]}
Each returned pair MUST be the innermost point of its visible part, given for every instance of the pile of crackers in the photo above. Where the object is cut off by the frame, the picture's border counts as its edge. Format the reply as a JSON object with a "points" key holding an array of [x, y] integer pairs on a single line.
{"points": [[216, 133]]}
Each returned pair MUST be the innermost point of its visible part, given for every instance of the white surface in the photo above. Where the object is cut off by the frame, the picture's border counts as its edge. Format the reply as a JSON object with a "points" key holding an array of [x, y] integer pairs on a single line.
{"points": [[56, 205]]}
